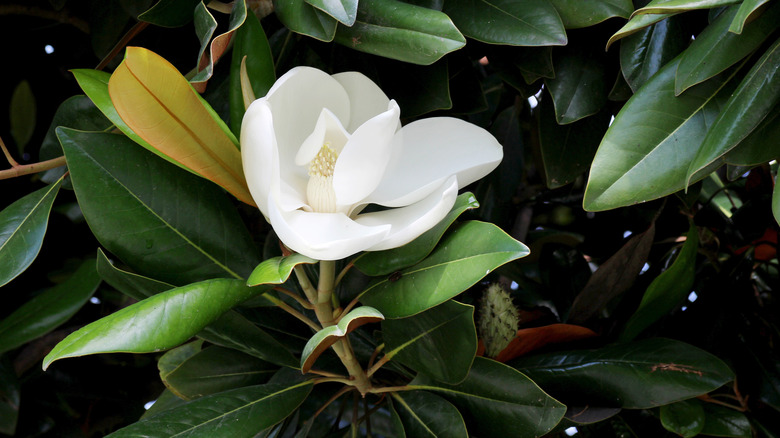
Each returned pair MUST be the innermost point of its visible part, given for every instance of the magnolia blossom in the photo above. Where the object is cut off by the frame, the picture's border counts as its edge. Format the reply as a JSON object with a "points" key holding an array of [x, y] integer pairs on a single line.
{"points": [[318, 149]]}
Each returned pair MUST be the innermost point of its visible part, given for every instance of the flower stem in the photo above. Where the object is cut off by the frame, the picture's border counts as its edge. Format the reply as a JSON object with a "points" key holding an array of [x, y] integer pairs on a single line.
{"points": [[324, 312]]}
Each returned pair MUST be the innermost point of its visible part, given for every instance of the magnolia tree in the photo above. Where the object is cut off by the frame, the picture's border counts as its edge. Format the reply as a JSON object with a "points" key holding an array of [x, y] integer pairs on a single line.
{"points": [[386, 218]]}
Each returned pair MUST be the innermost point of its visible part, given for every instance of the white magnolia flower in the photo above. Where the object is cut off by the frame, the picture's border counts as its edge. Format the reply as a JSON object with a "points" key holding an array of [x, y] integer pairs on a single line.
{"points": [[317, 149]]}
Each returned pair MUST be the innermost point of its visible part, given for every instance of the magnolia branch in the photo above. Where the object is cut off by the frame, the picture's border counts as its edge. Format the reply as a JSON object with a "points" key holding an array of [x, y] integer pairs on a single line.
{"points": [[26, 169]]}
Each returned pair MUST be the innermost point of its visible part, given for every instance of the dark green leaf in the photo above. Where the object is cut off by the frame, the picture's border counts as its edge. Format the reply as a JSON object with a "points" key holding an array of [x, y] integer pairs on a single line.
{"points": [[755, 98], [527, 23], [305, 19], [685, 418], [427, 415], [157, 323], [419, 89], [22, 114], [345, 11], [667, 291], [141, 208], [568, 150], [22, 227], [9, 397], [576, 13], [217, 369], [635, 24], [170, 13], [167, 400], [638, 375], [646, 151], [722, 421], [578, 89], [716, 49], [401, 31], [648, 50], [249, 41], [232, 330], [241, 412], [277, 270], [174, 357], [440, 342], [135, 286], [463, 257], [385, 262], [498, 401], [747, 10], [761, 145], [675, 6], [48, 310]]}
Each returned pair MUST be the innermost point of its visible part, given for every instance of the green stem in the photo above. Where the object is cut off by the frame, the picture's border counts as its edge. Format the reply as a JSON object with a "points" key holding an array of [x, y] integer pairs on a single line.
{"points": [[324, 312]]}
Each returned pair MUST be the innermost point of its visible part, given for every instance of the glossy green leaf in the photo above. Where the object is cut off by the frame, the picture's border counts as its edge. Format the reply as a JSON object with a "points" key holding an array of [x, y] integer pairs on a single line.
{"points": [[760, 146], [249, 41], [530, 23], [646, 151], [165, 401], [402, 31], [722, 421], [232, 330], [498, 401], [328, 336], [157, 323], [22, 112], [716, 49], [22, 227], [174, 357], [579, 88], [345, 11], [755, 98], [674, 6], [684, 418], [241, 412], [635, 24], [133, 285], [639, 375], [776, 203], [575, 14], [418, 89], [162, 241], [170, 13], [217, 369], [648, 50], [277, 270], [440, 342], [10, 397], [303, 18], [568, 150], [667, 290], [386, 262], [212, 50], [746, 12], [47, 311], [465, 255], [427, 415]]}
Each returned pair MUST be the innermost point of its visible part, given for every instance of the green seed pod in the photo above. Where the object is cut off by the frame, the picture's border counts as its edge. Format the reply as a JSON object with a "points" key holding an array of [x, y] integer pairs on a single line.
{"points": [[498, 319]]}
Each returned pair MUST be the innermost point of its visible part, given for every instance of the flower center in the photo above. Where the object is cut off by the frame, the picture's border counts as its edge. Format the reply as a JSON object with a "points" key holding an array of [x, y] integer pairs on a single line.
{"points": [[319, 191]]}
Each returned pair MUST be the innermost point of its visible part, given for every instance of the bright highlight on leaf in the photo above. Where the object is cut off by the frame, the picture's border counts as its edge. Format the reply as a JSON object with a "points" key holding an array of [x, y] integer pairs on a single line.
{"points": [[159, 105]]}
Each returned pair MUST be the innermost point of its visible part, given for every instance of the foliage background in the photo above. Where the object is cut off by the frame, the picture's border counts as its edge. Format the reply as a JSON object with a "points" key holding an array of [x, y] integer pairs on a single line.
{"points": [[735, 266]]}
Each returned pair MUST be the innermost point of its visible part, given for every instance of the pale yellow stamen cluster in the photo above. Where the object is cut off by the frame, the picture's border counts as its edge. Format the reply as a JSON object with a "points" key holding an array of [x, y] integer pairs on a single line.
{"points": [[319, 191]]}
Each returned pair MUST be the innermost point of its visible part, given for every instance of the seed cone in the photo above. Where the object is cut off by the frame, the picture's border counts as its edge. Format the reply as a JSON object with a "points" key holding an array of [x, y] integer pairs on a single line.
{"points": [[498, 319]]}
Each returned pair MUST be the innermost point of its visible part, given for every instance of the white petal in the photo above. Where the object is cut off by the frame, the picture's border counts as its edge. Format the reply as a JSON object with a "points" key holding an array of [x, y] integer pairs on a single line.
{"points": [[258, 152], [366, 98], [433, 150], [297, 100], [328, 128], [323, 236], [411, 221], [361, 165]]}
